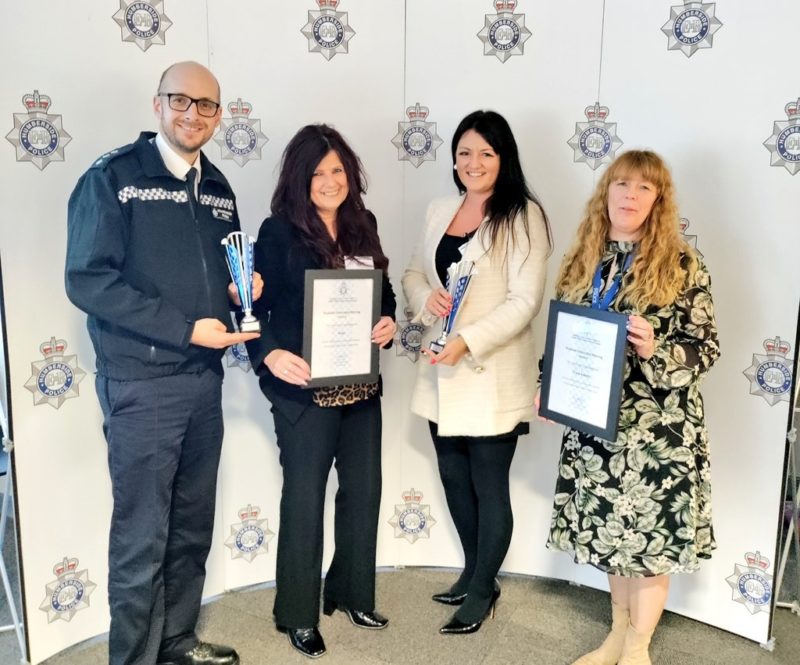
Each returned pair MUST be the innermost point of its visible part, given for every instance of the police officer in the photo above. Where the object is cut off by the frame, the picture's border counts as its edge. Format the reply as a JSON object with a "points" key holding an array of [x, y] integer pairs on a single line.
{"points": [[144, 261]]}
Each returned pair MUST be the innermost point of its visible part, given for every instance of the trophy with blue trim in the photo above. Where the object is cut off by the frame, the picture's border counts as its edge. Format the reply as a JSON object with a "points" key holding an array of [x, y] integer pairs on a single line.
{"points": [[459, 276], [239, 253]]}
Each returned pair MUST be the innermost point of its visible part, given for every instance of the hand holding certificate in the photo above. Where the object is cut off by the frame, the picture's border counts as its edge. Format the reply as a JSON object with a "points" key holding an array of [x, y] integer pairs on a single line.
{"points": [[583, 364]]}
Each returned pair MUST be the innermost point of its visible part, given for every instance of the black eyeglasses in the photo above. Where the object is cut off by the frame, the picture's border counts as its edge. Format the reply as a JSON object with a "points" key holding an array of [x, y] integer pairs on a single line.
{"points": [[180, 102]]}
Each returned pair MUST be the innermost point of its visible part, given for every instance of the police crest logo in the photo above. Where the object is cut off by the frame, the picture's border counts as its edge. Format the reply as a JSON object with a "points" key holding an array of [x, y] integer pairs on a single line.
{"points": [[38, 135], [240, 137], [237, 357], [770, 375], [691, 26], [750, 584], [595, 141], [68, 593], [690, 240], [416, 140], [143, 23], [784, 144], [250, 537], [504, 33], [412, 520], [408, 338], [327, 30], [56, 378]]}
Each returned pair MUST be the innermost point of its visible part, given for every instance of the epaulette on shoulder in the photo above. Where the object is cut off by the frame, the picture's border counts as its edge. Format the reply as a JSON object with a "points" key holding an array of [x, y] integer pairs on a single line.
{"points": [[103, 161]]}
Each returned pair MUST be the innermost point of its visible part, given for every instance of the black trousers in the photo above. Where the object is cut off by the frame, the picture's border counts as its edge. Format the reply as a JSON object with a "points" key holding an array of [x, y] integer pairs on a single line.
{"points": [[474, 473], [164, 440], [350, 436]]}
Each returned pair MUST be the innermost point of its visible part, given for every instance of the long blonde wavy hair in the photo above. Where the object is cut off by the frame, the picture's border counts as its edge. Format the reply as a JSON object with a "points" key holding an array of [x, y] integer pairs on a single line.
{"points": [[656, 275]]}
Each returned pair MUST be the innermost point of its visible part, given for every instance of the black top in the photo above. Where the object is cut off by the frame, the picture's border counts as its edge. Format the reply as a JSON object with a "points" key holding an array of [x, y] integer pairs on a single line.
{"points": [[448, 252], [282, 259]]}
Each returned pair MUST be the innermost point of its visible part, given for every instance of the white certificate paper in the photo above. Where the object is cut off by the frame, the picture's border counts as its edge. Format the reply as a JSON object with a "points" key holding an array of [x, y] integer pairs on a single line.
{"points": [[582, 368], [342, 326]]}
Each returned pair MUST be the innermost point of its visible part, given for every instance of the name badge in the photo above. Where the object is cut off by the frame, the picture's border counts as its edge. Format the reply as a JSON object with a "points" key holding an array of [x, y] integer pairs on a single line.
{"points": [[358, 263]]}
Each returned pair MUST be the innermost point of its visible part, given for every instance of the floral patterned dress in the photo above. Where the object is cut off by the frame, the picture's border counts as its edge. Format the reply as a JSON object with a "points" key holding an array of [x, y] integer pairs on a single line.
{"points": [[641, 505]]}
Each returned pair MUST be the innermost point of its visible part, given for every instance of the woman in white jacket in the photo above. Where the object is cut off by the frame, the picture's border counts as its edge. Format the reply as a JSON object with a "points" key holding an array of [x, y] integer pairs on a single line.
{"points": [[477, 393]]}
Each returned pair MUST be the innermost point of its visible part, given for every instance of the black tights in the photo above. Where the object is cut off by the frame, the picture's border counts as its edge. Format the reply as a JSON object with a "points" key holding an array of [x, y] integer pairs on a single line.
{"points": [[474, 473]]}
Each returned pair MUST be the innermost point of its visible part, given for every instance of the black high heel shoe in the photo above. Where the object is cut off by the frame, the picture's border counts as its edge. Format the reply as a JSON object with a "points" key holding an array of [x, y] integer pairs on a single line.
{"points": [[368, 620], [308, 641], [457, 627], [449, 598]]}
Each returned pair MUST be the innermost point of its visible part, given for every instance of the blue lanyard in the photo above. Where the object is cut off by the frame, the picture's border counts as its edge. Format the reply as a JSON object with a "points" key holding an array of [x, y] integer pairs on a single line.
{"points": [[613, 289]]}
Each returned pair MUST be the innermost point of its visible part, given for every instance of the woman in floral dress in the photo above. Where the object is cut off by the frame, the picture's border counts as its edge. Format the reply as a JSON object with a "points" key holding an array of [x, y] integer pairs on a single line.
{"points": [[639, 508]]}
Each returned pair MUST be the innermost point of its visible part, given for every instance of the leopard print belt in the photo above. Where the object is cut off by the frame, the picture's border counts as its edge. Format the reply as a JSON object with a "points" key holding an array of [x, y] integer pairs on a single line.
{"points": [[344, 395]]}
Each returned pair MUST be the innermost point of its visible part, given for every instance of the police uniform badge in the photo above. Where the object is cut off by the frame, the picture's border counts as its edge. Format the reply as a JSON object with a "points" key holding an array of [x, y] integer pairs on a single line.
{"points": [[143, 23], [412, 520], [750, 584], [240, 137], [691, 26], [56, 378], [690, 240], [38, 135], [595, 141], [237, 357], [327, 30], [784, 144], [408, 339], [250, 537], [770, 375], [416, 140], [504, 33], [68, 593]]}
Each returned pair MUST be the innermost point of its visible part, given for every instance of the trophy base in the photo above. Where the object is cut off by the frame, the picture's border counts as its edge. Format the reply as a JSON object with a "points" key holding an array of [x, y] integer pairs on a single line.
{"points": [[250, 326], [436, 346]]}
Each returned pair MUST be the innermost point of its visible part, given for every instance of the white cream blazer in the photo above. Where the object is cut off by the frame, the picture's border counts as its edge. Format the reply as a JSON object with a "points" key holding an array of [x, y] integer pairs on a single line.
{"points": [[492, 388]]}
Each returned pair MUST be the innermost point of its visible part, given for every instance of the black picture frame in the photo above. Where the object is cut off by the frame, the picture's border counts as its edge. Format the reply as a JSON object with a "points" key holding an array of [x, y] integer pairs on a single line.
{"points": [[614, 387], [311, 276]]}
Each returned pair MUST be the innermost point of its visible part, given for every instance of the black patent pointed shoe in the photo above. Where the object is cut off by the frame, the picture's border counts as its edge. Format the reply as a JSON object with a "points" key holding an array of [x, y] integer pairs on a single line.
{"points": [[457, 627], [449, 598], [308, 641], [368, 620], [204, 653]]}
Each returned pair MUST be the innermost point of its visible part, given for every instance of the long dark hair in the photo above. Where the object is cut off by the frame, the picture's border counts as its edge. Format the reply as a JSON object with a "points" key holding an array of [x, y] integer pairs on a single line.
{"points": [[511, 192], [356, 230]]}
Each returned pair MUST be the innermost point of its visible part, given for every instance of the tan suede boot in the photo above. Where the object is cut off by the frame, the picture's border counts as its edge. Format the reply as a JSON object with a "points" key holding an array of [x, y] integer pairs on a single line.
{"points": [[609, 651], [634, 651]]}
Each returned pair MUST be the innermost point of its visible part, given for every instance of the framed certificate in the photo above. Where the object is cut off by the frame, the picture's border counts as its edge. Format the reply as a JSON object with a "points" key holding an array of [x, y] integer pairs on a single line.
{"points": [[584, 359], [341, 308]]}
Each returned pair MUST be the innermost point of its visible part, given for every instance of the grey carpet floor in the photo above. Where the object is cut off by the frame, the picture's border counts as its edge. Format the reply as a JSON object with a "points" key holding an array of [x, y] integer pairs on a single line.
{"points": [[538, 621]]}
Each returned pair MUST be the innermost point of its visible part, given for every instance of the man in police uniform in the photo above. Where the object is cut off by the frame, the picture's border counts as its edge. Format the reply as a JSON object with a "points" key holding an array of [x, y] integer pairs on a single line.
{"points": [[145, 262]]}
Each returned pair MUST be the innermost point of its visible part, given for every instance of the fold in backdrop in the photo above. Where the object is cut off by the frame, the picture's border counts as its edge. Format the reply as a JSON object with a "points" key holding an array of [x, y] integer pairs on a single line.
{"points": [[711, 86]]}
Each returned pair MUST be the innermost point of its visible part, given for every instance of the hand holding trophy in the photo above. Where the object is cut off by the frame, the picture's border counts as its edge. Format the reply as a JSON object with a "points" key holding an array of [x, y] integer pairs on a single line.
{"points": [[239, 253], [459, 276]]}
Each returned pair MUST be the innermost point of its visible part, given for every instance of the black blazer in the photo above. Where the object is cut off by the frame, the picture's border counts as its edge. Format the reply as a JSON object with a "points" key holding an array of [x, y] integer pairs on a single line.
{"points": [[282, 260]]}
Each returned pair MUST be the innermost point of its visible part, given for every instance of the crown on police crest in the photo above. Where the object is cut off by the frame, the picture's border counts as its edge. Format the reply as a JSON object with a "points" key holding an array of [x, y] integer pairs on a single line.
{"points": [[756, 560], [793, 109], [65, 566], [249, 512], [55, 347], [412, 496], [36, 102], [417, 112], [596, 112], [328, 4], [505, 5], [777, 347], [240, 109]]}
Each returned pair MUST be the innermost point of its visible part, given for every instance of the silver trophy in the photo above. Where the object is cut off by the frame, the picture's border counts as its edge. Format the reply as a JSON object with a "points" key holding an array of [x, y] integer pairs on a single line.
{"points": [[239, 252], [459, 275]]}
